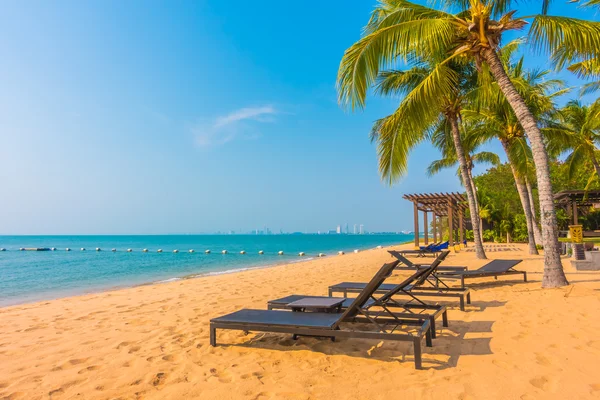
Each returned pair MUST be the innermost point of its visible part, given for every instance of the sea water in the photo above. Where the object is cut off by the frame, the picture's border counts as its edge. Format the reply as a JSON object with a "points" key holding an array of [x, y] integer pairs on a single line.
{"points": [[27, 276]]}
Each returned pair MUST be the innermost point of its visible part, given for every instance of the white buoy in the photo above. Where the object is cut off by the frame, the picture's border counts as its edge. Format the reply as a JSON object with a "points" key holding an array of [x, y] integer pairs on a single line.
{"points": [[261, 252], [224, 252], [356, 250], [191, 251], [242, 252], [301, 253], [67, 249], [21, 249], [97, 248], [280, 253], [145, 250], [175, 251], [207, 251], [53, 249], [129, 250], [341, 253], [159, 251], [83, 249], [113, 250], [321, 254]]}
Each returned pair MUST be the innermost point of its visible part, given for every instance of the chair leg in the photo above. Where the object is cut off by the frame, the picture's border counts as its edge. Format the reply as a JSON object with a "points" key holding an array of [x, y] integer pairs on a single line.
{"points": [[462, 303], [417, 347], [445, 318], [469, 298], [432, 326], [213, 336], [524, 276], [428, 340]]}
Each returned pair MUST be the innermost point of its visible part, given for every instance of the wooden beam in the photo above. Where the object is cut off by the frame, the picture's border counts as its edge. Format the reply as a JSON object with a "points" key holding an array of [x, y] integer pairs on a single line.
{"points": [[416, 216], [435, 240], [461, 225], [450, 224], [575, 216], [426, 226]]}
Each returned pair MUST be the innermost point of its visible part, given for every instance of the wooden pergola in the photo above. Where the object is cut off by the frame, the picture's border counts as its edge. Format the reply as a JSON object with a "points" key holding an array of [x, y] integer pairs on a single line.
{"points": [[571, 200], [449, 205]]}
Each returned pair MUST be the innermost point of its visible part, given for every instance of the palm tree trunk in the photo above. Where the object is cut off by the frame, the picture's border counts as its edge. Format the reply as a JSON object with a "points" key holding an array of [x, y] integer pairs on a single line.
{"points": [[522, 189], [536, 227], [596, 165], [554, 276], [468, 183], [474, 190]]}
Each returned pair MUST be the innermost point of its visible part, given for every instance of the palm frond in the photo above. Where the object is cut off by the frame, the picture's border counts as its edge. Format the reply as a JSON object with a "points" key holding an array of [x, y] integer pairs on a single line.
{"points": [[378, 50], [565, 38]]}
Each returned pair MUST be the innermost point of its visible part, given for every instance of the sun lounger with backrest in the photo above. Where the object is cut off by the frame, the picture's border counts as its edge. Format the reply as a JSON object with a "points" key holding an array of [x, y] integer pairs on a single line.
{"points": [[494, 268], [411, 309], [332, 325], [442, 256], [423, 287]]}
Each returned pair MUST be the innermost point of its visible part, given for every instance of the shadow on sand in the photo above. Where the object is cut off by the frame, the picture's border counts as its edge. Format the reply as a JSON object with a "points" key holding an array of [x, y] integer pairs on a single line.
{"points": [[451, 344]]}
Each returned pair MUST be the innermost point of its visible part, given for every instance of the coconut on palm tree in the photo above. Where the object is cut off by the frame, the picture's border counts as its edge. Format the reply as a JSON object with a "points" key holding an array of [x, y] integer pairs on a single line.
{"points": [[400, 30]]}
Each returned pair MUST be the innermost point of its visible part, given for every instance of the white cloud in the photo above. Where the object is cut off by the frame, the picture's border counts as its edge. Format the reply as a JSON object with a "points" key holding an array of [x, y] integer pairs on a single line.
{"points": [[225, 128]]}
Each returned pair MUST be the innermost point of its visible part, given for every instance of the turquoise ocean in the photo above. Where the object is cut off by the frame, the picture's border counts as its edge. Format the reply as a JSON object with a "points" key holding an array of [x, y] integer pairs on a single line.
{"points": [[27, 276]]}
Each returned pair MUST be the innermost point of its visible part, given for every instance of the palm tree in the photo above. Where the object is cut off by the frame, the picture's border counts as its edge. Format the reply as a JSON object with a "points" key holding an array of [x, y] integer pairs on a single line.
{"points": [[460, 79], [583, 137], [443, 141], [497, 120], [399, 30]]}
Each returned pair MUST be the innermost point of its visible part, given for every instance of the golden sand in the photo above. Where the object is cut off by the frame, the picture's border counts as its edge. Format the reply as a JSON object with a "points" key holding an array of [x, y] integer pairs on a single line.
{"points": [[515, 341]]}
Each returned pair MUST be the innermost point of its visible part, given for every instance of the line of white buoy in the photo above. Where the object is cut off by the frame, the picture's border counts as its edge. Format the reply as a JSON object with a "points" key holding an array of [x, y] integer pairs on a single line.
{"points": [[261, 252]]}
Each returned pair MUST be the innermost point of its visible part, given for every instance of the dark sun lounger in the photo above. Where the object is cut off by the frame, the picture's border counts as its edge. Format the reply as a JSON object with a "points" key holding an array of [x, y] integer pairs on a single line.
{"points": [[494, 268], [412, 290], [442, 256], [332, 325], [409, 310]]}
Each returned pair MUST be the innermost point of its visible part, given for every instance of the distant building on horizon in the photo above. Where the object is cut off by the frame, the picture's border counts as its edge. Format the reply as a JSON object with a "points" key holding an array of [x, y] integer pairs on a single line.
{"points": [[361, 229], [338, 230], [355, 229]]}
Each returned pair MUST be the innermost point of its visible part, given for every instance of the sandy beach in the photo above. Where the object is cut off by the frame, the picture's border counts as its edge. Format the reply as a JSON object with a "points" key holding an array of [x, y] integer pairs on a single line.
{"points": [[515, 341]]}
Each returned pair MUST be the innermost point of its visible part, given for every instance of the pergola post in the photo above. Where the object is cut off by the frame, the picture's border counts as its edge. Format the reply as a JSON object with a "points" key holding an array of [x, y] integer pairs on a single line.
{"points": [[461, 225], [435, 240], [426, 226], [416, 215], [450, 223], [575, 216]]}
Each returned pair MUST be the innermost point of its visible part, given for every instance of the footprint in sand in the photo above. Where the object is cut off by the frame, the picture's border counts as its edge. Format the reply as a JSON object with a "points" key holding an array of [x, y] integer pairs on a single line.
{"points": [[88, 369], [159, 379], [77, 361], [540, 382], [542, 360]]}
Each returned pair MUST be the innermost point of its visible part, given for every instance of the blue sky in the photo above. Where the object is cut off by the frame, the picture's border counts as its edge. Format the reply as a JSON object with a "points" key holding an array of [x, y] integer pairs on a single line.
{"points": [[182, 117]]}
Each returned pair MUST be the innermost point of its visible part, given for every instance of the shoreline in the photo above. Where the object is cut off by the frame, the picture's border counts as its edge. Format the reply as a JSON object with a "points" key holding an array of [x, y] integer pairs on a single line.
{"points": [[78, 293]]}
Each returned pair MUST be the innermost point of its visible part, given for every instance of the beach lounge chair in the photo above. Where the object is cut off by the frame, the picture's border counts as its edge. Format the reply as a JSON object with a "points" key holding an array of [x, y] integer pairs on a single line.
{"points": [[332, 325], [423, 287], [410, 310], [442, 256], [494, 268], [433, 250]]}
